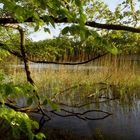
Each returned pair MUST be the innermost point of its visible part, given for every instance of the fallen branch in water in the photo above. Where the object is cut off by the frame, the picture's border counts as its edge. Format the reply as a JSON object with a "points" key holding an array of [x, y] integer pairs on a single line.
{"points": [[81, 115], [46, 112], [67, 89]]}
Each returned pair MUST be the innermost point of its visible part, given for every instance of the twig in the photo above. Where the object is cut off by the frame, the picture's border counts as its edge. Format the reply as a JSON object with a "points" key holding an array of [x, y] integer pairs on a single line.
{"points": [[15, 53], [41, 124], [81, 115], [69, 115], [70, 63], [99, 118], [67, 89], [43, 113]]}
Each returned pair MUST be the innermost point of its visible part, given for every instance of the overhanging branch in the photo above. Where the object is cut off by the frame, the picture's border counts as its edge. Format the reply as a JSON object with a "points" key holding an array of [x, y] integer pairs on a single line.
{"points": [[65, 20], [17, 54], [70, 63], [113, 27]]}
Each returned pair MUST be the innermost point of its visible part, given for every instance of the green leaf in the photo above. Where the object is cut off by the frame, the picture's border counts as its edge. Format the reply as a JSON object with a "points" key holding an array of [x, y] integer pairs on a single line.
{"points": [[19, 13], [20, 123], [78, 2], [54, 106], [50, 4], [114, 50], [30, 101], [47, 30], [36, 28], [82, 35], [40, 136], [65, 30], [52, 22], [45, 102], [18, 89], [36, 16], [43, 4], [82, 19]]}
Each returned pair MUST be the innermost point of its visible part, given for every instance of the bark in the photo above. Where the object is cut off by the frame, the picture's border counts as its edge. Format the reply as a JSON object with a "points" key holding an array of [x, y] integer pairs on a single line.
{"points": [[24, 57], [88, 23]]}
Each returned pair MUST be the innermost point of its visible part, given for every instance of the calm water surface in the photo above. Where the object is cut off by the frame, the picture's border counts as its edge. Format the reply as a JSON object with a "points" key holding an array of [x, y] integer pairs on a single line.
{"points": [[123, 124]]}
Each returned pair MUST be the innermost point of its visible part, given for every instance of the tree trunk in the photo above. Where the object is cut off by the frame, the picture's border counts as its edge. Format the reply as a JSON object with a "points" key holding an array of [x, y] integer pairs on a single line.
{"points": [[24, 57]]}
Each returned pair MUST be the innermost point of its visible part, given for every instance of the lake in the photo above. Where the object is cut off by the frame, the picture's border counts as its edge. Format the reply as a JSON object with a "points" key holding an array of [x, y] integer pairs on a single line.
{"points": [[115, 77]]}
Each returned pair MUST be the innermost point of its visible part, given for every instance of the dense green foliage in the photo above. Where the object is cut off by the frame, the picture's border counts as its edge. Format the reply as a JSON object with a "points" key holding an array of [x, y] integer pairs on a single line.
{"points": [[72, 49], [65, 49], [20, 123], [127, 43]]}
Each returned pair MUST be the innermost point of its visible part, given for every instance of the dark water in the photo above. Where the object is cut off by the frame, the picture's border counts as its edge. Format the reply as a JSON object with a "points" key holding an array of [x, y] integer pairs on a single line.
{"points": [[124, 123]]}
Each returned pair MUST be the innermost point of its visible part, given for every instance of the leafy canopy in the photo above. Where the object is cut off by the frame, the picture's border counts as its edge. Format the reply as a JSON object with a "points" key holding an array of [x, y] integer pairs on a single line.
{"points": [[70, 11]]}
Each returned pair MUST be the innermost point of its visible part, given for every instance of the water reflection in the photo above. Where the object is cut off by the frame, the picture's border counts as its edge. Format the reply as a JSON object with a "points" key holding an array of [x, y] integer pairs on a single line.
{"points": [[122, 124]]}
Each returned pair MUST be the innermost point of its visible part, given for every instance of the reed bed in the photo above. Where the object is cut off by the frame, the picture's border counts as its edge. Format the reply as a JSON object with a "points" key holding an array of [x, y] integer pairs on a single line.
{"points": [[61, 82]]}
